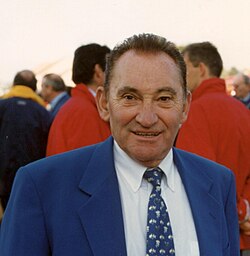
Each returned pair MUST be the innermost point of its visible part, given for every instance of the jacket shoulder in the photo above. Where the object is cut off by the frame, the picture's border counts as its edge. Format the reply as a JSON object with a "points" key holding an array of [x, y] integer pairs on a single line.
{"points": [[61, 165], [186, 159]]}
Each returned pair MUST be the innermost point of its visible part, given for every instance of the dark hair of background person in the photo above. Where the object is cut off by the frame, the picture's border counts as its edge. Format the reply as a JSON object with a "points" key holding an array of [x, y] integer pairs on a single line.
{"points": [[26, 78], [148, 43], [55, 81], [208, 54], [85, 59]]}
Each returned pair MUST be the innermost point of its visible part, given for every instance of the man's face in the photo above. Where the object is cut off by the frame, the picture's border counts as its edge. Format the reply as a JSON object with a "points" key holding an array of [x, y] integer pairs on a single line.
{"points": [[241, 89], [193, 74], [145, 105], [46, 91]]}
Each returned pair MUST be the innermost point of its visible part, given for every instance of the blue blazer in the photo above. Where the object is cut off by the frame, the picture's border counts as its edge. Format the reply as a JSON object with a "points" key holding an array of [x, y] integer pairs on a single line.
{"points": [[69, 204]]}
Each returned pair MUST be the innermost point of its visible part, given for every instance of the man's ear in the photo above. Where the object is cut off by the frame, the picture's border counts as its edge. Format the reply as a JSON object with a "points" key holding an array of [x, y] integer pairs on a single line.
{"points": [[186, 107], [204, 71], [102, 103]]}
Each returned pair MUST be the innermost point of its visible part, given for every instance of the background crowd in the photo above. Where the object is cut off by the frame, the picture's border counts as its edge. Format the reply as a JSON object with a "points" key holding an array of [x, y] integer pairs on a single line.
{"points": [[36, 124]]}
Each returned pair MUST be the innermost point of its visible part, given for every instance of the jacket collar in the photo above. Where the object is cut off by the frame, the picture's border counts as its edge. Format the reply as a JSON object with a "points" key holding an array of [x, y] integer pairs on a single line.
{"points": [[81, 90], [24, 92], [100, 187], [209, 86], [200, 192]]}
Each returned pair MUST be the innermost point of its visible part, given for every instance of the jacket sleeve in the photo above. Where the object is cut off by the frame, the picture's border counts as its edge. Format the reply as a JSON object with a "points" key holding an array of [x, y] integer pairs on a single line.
{"points": [[23, 229]]}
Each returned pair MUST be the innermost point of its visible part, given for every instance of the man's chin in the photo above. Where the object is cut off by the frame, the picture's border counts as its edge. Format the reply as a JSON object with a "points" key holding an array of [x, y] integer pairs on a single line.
{"points": [[147, 159]]}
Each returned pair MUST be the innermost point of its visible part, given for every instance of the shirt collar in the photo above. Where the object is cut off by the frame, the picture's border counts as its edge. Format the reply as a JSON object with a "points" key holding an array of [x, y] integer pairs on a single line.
{"points": [[133, 172], [247, 98], [167, 166], [56, 99], [92, 92]]}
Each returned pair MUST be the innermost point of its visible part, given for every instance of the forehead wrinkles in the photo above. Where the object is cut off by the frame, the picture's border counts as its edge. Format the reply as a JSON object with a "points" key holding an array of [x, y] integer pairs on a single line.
{"points": [[145, 63], [143, 59]]}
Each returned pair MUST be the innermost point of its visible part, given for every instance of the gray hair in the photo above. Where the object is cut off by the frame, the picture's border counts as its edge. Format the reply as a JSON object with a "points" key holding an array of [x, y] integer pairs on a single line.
{"points": [[148, 43], [55, 81]]}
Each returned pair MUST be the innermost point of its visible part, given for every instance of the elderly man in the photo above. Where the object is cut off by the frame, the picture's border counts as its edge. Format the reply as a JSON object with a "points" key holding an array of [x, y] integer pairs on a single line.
{"points": [[133, 194], [54, 92], [242, 88]]}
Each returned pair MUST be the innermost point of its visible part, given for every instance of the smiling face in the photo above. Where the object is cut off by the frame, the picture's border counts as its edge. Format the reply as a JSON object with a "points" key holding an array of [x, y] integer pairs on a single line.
{"points": [[145, 105]]}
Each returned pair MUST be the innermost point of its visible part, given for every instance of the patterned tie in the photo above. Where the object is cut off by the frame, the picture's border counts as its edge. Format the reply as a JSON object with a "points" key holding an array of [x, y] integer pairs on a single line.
{"points": [[159, 232]]}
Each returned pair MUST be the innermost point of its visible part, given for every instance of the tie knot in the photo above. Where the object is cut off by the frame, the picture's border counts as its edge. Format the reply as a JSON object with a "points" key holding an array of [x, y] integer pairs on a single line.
{"points": [[153, 176]]}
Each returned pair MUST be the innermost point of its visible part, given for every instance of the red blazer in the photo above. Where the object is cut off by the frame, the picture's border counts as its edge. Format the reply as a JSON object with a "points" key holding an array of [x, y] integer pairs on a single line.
{"points": [[218, 128], [77, 123]]}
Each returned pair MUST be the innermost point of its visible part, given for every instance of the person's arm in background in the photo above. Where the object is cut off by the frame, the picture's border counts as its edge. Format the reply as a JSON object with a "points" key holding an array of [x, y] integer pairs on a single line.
{"points": [[244, 209]]}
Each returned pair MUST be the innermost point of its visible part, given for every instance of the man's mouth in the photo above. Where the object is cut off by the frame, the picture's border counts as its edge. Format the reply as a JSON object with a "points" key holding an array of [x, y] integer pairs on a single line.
{"points": [[147, 134]]}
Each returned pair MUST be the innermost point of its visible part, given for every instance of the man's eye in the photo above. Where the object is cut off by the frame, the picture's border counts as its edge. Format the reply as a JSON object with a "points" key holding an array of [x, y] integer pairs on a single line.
{"points": [[129, 97], [165, 98]]}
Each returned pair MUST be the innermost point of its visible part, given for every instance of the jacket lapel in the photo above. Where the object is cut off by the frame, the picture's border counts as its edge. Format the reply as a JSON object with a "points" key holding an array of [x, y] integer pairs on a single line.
{"points": [[205, 208], [101, 213]]}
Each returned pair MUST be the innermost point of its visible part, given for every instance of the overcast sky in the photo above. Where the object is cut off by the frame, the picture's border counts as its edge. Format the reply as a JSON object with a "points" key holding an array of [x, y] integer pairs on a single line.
{"points": [[33, 32]]}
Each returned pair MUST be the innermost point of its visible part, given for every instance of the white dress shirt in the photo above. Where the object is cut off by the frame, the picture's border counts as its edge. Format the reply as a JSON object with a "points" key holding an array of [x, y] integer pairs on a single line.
{"points": [[135, 192]]}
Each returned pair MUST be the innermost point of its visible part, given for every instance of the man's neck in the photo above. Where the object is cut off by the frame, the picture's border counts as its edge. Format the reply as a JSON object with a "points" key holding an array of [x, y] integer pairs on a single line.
{"points": [[246, 97], [55, 94], [93, 87]]}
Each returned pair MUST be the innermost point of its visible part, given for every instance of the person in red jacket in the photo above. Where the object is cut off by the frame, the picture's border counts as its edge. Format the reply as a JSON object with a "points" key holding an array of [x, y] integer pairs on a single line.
{"points": [[78, 122], [218, 126]]}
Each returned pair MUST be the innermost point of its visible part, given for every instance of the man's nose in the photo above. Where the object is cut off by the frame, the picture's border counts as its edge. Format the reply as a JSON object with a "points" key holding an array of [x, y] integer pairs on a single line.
{"points": [[147, 115]]}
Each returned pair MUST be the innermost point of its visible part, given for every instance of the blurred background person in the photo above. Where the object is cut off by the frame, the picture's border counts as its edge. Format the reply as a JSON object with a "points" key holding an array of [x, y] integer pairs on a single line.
{"points": [[241, 84], [218, 126], [54, 92], [24, 126], [78, 122]]}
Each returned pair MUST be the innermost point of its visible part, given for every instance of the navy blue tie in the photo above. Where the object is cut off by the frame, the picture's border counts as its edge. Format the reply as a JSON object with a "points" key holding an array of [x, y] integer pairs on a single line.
{"points": [[159, 233]]}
